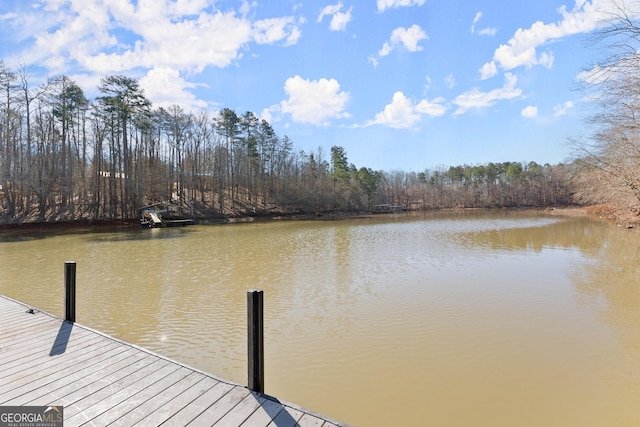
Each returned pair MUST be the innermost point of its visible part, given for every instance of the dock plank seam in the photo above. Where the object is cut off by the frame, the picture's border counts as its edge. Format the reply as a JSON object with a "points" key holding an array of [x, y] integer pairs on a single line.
{"points": [[54, 388], [198, 405], [35, 364], [141, 396], [69, 398], [179, 402], [92, 402], [26, 382]]}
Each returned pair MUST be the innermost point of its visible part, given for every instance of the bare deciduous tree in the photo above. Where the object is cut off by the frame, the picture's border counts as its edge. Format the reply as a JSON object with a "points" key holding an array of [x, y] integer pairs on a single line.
{"points": [[607, 163]]}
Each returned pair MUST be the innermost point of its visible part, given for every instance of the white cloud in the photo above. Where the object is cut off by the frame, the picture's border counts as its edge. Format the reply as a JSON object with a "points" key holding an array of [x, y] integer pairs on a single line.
{"points": [[9, 16], [432, 108], [400, 114], [562, 109], [521, 49], [403, 113], [427, 83], [339, 19], [450, 81], [115, 36], [477, 99], [488, 70], [330, 10], [475, 21], [489, 31], [185, 7], [546, 59], [594, 76], [387, 4], [166, 87], [186, 44], [407, 37], [78, 33], [529, 112], [484, 31], [313, 101], [267, 114], [268, 31]]}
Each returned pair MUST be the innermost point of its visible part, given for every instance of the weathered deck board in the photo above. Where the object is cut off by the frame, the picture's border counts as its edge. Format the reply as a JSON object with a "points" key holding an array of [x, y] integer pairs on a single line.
{"points": [[22, 384], [199, 405], [103, 381], [92, 374]]}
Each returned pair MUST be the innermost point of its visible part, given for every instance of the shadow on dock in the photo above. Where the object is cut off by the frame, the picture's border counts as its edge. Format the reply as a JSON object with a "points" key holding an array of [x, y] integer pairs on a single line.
{"points": [[275, 410], [62, 339]]}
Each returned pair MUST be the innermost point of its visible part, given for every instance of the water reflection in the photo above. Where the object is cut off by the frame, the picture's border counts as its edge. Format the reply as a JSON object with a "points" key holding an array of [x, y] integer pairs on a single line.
{"points": [[533, 234], [444, 319], [611, 282]]}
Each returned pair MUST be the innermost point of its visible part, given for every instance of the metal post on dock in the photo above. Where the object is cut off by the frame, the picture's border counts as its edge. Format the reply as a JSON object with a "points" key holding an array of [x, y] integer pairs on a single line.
{"points": [[70, 291], [255, 339]]}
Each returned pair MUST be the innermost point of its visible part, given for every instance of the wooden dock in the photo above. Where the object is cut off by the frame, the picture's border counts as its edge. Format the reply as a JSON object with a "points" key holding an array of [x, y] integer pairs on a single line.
{"points": [[100, 380]]}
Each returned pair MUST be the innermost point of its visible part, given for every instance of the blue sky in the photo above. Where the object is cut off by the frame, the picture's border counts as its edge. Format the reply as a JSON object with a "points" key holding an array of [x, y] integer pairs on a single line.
{"points": [[400, 84]]}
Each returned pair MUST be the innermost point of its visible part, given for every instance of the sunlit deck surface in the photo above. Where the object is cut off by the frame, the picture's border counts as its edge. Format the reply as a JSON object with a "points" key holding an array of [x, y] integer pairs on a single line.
{"points": [[103, 381]]}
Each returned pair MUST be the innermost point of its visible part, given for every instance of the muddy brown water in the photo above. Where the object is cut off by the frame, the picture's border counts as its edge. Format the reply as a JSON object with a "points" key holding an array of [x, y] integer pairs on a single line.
{"points": [[458, 319]]}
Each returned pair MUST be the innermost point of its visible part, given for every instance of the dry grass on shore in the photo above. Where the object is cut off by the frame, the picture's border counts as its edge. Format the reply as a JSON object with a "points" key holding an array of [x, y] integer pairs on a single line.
{"points": [[605, 212]]}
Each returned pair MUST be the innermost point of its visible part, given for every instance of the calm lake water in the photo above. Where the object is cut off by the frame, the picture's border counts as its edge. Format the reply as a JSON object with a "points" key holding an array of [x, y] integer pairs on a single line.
{"points": [[472, 319]]}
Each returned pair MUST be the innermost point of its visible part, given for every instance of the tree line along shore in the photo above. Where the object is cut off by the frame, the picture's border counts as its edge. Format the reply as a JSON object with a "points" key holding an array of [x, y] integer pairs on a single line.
{"points": [[65, 158]]}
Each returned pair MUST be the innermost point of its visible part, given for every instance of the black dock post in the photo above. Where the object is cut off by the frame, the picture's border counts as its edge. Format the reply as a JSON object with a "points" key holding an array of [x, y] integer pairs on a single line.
{"points": [[70, 291], [255, 339]]}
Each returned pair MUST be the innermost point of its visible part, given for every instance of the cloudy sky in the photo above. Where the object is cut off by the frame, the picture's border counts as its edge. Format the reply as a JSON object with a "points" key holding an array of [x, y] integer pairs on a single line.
{"points": [[400, 84]]}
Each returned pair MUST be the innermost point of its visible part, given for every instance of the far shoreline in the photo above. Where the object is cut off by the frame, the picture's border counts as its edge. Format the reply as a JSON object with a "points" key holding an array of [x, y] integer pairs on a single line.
{"points": [[125, 224]]}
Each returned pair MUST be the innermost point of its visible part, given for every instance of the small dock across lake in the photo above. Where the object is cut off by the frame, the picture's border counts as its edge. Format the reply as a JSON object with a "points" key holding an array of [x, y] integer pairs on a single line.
{"points": [[100, 380]]}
